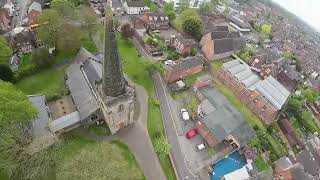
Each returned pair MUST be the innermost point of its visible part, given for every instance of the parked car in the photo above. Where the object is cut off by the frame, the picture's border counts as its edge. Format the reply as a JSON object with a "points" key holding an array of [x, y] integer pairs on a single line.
{"points": [[169, 62], [185, 114], [201, 146], [190, 134]]}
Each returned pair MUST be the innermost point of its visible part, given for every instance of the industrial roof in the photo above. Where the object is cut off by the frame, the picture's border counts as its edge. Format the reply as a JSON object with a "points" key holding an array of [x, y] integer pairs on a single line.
{"points": [[242, 72], [65, 121], [270, 88]]}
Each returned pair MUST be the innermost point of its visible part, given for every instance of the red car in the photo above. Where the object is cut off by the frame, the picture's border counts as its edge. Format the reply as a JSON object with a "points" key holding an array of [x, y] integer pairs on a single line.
{"points": [[190, 134]]}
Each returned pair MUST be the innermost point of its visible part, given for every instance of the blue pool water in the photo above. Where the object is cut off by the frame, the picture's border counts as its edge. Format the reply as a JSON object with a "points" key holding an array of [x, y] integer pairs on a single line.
{"points": [[227, 165]]}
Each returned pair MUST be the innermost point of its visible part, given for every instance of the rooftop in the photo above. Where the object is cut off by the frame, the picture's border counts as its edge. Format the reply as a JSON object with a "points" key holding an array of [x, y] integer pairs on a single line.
{"points": [[35, 6]]}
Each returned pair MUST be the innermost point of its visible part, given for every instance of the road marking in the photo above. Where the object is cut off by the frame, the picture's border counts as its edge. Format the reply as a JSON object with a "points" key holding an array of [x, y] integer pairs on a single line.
{"points": [[174, 125]]}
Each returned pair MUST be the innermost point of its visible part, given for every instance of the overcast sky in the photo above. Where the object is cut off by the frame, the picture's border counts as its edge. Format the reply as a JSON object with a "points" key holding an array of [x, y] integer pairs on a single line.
{"points": [[307, 10]]}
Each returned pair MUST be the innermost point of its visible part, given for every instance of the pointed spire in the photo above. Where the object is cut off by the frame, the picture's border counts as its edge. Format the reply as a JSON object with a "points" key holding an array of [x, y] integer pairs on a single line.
{"points": [[113, 83]]}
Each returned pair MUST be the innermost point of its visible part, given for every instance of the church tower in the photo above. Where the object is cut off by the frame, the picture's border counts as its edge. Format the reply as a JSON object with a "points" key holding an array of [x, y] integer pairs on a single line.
{"points": [[116, 95]]}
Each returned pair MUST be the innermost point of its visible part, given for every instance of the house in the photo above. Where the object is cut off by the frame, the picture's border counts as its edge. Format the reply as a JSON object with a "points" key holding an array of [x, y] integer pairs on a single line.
{"points": [[285, 169], [288, 130], [134, 7], [6, 12], [182, 45], [202, 81], [214, 22], [222, 123], [156, 21], [23, 40], [183, 68], [264, 97], [117, 8], [269, 62], [195, 4], [33, 13], [239, 24], [221, 44]]}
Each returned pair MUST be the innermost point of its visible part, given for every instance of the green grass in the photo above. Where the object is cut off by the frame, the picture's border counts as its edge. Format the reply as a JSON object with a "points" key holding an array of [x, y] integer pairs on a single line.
{"points": [[261, 164], [101, 130], [78, 158], [26, 61], [49, 83], [135, 68], [88, 43]]}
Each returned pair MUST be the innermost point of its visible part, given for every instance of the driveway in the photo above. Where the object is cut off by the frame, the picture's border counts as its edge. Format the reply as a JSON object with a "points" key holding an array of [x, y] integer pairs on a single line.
{"points": [[178, 158]]}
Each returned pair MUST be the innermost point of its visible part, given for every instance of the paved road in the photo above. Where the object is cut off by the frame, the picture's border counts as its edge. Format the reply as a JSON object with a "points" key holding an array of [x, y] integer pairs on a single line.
{"points": [[176, 153]]}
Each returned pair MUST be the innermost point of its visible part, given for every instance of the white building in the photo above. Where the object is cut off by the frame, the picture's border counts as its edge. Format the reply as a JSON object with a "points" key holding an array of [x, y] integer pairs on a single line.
{"points": [[193, 3], [135, 7]]}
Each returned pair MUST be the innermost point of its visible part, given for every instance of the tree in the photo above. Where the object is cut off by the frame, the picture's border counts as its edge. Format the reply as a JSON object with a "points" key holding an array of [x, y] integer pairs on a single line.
{"points": [[310, 95], [69, 39], [307, 120], [168, 7], [246, 54], [171, 15], [65, 7], [206, 7], [151, 5], [294, 106], [126, 31], [5, 51], [87, 19], [41, 58], [193, 26], [16, 112], [51, 22], [162, 146], [6, 73], [266, 28]]}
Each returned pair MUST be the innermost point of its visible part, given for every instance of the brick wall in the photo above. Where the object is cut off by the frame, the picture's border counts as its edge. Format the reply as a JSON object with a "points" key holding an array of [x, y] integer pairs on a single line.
{"points": [[254, 101], [207, 46], [172, 75]]}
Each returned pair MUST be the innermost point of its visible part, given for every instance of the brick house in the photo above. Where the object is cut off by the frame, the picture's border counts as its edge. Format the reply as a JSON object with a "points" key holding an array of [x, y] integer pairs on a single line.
{"points": [[182, 45], [183, 68], [155, 21], [34, 11], [202, 81], [220, 44], [263, 97]]}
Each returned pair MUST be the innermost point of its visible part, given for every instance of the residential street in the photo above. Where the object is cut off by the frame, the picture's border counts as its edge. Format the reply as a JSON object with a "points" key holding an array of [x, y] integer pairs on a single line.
{"points": [[171, 131]]}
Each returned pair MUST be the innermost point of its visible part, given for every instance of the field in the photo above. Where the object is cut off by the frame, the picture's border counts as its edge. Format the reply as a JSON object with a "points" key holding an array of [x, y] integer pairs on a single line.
{"points": [[78, 158], [134, 66]]}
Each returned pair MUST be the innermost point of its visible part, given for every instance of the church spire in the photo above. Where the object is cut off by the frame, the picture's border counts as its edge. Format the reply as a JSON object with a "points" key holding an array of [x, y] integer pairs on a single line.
{"points": [[113, 82]]}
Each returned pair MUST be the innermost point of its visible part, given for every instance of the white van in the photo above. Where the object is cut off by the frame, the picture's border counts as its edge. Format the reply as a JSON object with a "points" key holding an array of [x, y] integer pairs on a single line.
{"points": [[201, 147]]}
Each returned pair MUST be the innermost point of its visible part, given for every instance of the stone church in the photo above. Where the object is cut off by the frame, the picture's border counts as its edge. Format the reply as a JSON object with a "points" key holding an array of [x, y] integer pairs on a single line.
{"points": [[98, 88]]}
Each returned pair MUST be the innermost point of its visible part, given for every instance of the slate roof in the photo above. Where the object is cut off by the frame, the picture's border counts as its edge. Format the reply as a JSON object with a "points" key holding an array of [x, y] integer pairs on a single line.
{"points": [[65, 121], [225, 119], [187, 63], [35, 6], [81, 93], [93, 70], [224, 34], [39, 125], [241, 23], [135, 3], [116, 4], [308, 162]]}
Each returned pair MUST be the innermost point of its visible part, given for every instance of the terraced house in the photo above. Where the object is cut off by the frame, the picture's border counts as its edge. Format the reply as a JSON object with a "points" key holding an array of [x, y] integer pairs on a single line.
{"points": [[264, 97]]}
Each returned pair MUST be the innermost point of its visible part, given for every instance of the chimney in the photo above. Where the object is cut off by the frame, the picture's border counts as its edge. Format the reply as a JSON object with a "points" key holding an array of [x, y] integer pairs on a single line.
{"points": [[113, 82]]}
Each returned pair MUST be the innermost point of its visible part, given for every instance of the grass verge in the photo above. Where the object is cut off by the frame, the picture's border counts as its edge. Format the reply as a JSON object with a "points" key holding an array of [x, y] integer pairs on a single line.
{"points": [[261, 164], [135, 69]]}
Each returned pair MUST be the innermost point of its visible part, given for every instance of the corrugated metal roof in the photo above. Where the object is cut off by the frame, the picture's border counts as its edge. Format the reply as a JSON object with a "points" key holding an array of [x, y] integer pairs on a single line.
{"points": [[65, 121], [275, 93]]}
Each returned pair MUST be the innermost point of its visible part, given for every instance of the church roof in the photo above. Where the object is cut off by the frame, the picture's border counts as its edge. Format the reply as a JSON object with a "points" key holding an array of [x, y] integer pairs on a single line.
{"points": [[80, 91]]}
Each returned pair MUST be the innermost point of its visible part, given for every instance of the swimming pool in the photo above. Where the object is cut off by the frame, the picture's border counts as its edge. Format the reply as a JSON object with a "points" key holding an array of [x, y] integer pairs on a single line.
{"points": [[227, 165]]}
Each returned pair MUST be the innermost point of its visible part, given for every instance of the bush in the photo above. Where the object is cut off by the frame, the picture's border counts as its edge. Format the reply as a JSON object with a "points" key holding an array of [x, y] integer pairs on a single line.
{"points": [[173, 55], [193, 52], [126, 31], [6, 73]]}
